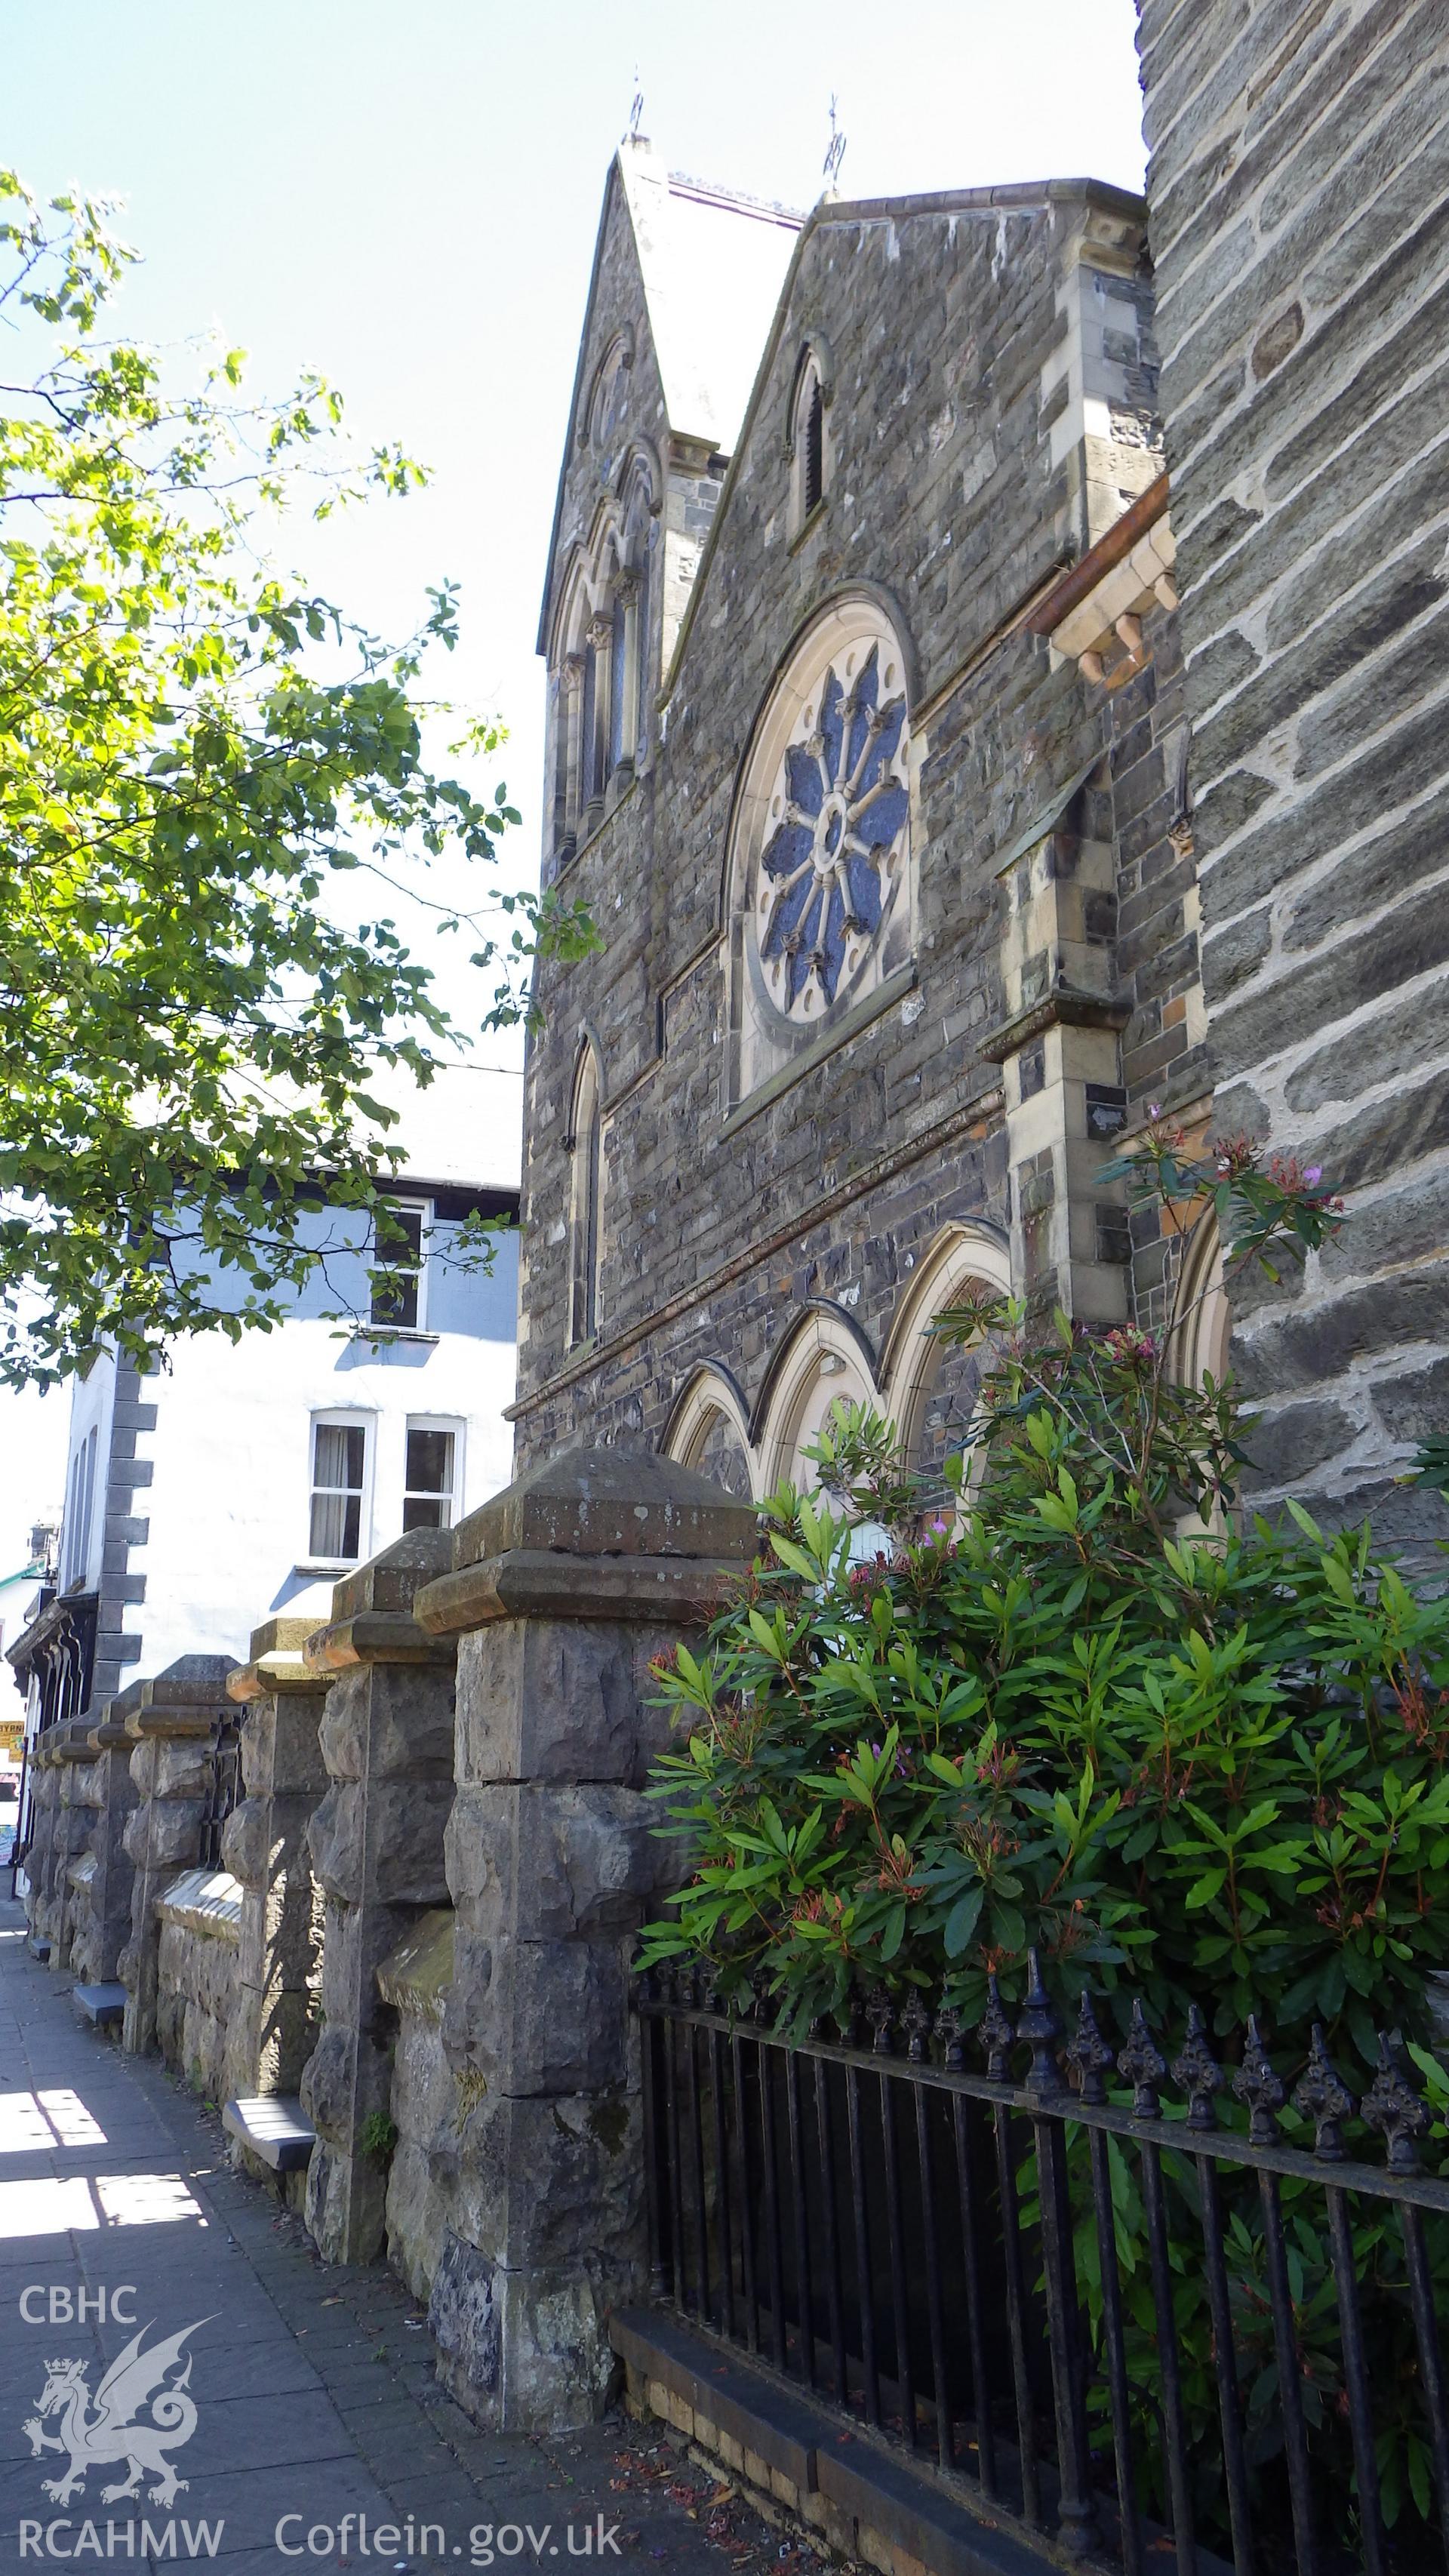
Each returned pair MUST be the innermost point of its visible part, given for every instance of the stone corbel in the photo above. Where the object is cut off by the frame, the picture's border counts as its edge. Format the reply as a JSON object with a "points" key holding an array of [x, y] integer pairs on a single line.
{"points": [[1092, 614]]}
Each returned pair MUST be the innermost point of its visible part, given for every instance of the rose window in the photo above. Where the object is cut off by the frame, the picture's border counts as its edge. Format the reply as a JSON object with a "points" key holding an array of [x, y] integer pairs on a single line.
{"points": [[836, 834]]}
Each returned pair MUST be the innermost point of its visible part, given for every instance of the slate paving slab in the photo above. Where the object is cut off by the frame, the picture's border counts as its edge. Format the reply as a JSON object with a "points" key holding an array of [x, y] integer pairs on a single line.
{"points": [[314, 2393]]}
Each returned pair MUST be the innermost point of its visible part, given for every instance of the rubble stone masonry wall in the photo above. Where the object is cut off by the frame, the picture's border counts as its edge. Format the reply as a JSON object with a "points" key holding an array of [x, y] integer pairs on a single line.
{"points": [[1299, 188]]}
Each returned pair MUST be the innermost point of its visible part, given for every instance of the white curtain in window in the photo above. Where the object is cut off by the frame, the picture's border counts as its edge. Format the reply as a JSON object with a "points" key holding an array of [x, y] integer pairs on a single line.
{"points": [[338, 1455]]}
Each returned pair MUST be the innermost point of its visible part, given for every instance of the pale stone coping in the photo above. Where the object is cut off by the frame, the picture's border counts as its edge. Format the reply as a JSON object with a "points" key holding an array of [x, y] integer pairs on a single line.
{"points": [[592, 1503], [273, 1676], [535, 1583], [205, 1900], [870, 2505], [1142, 580], [82, 1871], [415, 1976], [274, 2127], [371, 1637]]}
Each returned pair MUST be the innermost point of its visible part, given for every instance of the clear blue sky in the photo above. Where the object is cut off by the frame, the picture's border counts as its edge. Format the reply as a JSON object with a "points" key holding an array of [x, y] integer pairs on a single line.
{"points": [[407, 200]]}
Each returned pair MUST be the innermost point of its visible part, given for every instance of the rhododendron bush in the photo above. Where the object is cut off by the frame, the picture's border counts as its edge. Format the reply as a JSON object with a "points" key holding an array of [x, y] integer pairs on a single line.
{"points": [[1083, 1705]]}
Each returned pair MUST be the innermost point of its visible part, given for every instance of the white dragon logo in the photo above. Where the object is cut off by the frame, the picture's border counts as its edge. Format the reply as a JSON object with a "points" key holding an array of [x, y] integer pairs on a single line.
{"points": [[97, 2432]]}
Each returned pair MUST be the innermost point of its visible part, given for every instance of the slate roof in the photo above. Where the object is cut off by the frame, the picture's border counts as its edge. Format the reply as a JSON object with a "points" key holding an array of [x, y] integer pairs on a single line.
{"points": [[713, 263]]}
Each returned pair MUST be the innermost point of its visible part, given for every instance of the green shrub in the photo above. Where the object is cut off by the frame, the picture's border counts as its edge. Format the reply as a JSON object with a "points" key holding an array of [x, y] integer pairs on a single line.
{"points": [[1223, 1777], [1089, 1713], [1217, 1765]]}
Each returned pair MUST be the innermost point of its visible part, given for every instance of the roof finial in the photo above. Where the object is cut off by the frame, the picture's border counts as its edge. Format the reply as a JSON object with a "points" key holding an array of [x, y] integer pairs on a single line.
{"points": [[834, 151], [636, 108]]}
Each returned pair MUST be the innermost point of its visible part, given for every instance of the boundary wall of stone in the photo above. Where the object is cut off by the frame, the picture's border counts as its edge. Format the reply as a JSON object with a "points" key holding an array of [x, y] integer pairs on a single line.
{"points": [[419, 1938], [199, 1925]]}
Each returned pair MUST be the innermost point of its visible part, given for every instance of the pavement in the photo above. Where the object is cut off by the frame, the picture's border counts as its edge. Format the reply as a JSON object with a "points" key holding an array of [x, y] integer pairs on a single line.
{"points": [[311, 2432]]}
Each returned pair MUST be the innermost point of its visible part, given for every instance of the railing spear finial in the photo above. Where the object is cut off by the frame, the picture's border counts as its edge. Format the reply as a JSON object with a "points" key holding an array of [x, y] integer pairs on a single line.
{"points": [[1256, 2084], [1198, 2073], [1089, 2055], [1144, 2066], [1392, 2106], [1041, 2030], [1322, 2096], [916, 2023], [995, 2032]]}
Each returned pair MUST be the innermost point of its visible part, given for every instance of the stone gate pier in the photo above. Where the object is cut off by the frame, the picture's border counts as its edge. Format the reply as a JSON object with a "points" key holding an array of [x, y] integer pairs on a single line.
{"points": [[560, 1592], [376, 1843]]}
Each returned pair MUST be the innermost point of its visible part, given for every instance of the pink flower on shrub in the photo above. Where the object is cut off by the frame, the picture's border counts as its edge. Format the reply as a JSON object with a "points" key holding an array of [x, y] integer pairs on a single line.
{"points": [[1233, 1154]]}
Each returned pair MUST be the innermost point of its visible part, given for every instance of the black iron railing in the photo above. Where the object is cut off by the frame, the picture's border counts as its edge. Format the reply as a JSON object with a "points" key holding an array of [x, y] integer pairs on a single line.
{"points": [[1120, 2321], [223, 1791]]}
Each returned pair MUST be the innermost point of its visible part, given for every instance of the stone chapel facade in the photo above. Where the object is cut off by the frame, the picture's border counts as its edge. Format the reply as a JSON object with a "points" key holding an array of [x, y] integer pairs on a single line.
{"points": [[869, 755], [899, 924]]}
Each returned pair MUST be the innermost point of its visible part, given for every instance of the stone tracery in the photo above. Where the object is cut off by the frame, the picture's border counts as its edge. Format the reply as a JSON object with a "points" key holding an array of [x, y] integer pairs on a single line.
{"points": [[840, 810], [820, 867]]}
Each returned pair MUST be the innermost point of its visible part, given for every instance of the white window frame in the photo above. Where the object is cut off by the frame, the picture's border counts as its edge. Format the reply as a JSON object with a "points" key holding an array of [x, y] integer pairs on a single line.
{"points": [[72, 1518], [406, 1205], [70, 1521], [80, 1514], [334, 1418], [90, 1454], [454, 1423]]}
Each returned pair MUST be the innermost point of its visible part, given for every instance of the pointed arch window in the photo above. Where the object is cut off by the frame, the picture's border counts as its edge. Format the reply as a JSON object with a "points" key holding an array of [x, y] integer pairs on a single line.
{"points": [[814, 442], [601, 699], [587, 725], [568, 733], [585, 1143], [620, 747], [808, 445], [639, 659]]}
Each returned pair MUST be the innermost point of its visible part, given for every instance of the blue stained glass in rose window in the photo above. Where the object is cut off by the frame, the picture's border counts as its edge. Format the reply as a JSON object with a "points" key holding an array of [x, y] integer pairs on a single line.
{"points": [[826, 860]]}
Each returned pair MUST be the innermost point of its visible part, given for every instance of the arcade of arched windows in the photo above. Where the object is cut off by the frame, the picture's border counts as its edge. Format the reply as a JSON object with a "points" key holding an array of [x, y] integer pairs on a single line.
{"points": [[926, 1386], [599, 670]]}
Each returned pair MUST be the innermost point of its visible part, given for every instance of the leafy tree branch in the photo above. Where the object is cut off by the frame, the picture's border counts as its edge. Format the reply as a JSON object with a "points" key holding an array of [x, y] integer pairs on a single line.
{"points": [[194, 749]]}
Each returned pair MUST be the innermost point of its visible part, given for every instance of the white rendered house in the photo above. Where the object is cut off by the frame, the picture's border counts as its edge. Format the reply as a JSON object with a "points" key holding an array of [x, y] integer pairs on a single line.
{"points": [[241, 1481]]}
